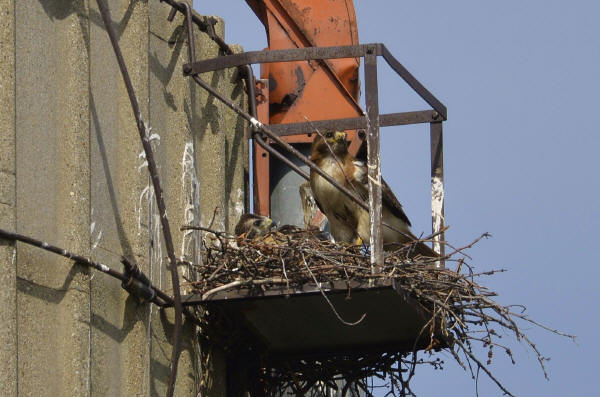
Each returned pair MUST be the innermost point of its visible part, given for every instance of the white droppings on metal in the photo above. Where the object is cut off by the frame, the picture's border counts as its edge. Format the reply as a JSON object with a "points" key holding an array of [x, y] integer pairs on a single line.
{"points": [[437, 209], [104, 268], [374, 176], [375, 181]]}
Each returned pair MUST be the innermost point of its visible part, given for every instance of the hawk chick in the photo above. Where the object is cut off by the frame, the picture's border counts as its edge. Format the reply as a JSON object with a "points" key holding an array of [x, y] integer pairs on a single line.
{"points": [[253, 226]]}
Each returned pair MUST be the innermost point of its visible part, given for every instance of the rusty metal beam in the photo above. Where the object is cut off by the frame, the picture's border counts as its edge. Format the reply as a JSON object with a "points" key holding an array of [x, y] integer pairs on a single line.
{"points": [[351, 123], [289, 55], [437, 188], [290, 149], [371, 122], [302, 54], [405, 118], [373, 160], [354, 123], [412, 81]]}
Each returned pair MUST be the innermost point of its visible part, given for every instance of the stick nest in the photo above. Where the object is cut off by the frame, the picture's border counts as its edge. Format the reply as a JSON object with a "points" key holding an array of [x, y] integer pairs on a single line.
{"points": [[461, 312]]}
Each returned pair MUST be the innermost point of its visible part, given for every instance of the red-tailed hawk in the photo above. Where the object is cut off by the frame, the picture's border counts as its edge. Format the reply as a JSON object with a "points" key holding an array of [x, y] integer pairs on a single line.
{"points": [[349, 221], [252, 226]]}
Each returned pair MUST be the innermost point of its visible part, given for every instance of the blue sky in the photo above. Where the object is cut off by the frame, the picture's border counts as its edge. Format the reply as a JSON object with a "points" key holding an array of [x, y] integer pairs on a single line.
{"points": [[520, 82]]}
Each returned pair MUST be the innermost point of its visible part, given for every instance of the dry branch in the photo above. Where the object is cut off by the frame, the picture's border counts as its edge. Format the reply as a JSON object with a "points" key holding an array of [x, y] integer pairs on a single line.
{"points": [[460, 310]]}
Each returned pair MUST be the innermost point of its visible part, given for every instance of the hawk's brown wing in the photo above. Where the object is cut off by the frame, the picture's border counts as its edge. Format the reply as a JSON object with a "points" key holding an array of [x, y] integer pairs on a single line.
{"points": [[312, 175], [388, 198]]}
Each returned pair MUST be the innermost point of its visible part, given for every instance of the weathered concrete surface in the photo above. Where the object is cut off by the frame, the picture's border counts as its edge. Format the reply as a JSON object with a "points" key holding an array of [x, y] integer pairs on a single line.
{"points": [[236, 148], [120, 326], [72, 173], [219, 130], [209, 137], [52, 168], [8, 285], [170, 115], [201, 182]]}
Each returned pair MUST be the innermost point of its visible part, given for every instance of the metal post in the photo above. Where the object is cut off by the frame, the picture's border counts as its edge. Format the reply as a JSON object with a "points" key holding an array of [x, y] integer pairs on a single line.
{"points": [[437, 187], [373, 159], [261, 158]]}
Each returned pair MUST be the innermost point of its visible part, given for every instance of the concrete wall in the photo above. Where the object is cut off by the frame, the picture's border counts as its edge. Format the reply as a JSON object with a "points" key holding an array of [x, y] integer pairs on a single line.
{"points": [[72, 173]]}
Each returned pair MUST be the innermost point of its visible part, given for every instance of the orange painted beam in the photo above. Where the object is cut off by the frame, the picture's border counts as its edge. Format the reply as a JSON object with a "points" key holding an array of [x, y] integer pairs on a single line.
{"points": [[301, 91]]}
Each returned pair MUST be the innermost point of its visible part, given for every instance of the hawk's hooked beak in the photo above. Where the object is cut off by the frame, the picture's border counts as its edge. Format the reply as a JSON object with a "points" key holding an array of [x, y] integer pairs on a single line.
{"points": [[335, 137], [339, 136], [269, 224]]}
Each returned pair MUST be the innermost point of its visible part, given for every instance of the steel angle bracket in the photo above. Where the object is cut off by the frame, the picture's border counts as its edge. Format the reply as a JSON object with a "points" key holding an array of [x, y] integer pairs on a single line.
{"points": [[369, 122]]}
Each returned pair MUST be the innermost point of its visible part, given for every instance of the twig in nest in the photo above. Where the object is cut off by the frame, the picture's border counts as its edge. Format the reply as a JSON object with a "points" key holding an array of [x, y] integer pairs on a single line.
{"points": [[238, 283], [457, 307], [483, 367], [206, 229]]}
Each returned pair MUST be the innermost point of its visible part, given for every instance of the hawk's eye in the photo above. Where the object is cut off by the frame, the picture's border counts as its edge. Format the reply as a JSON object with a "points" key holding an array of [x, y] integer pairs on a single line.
{"points": [[257, 222], [329, 135]]}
